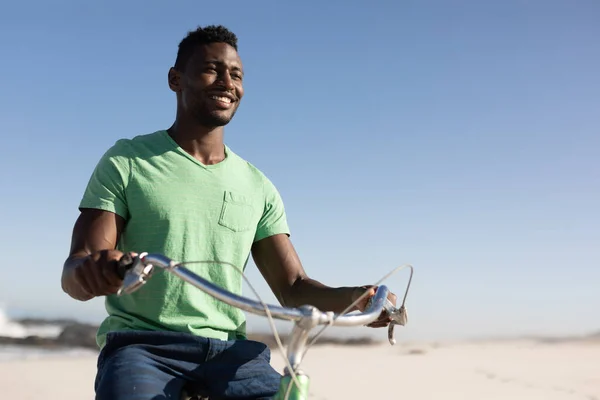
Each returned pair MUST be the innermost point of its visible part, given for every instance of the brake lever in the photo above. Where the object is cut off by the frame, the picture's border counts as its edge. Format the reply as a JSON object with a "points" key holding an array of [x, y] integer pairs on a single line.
{"points": [[398, 316], [134, 272]]}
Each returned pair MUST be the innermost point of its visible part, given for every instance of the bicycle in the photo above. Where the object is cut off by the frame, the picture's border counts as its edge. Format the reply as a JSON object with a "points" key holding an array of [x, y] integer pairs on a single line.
{"points": [[294, 383]]}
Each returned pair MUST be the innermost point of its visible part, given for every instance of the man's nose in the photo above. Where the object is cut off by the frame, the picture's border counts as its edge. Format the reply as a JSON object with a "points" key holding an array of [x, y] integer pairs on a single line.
{"points": [[226, 81]]}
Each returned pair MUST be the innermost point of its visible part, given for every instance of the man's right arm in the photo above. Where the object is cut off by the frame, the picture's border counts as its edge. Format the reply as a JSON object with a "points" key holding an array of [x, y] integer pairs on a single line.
{"points": [[91, 268]]}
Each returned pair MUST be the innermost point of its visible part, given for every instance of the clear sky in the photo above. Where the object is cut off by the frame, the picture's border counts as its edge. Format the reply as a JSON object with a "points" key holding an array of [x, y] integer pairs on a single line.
{"points": [[461, 137]]}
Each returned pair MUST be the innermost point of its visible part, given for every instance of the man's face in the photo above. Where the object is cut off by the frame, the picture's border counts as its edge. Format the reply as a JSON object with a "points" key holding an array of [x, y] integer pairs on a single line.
{"points": [[210, 87]]}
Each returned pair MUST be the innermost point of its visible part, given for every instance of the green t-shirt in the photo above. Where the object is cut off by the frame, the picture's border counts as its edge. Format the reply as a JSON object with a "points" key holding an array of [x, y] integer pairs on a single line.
{"points": [[176, 206]]}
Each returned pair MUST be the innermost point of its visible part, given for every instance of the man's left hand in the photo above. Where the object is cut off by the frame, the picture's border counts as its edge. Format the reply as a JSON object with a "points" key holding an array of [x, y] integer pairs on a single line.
{"points": [[383, 320]]}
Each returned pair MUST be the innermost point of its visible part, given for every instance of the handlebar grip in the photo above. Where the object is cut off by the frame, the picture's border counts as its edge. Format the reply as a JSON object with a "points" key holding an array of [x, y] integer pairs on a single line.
{"points": [[124, 265]]}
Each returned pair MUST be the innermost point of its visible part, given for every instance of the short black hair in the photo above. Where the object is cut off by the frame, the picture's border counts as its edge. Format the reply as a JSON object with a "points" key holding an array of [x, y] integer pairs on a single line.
{"points": [[200, 36]]}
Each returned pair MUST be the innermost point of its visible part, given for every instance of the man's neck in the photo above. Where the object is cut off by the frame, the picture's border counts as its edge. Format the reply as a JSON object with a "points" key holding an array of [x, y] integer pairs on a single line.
{"points": [[202, 143]]}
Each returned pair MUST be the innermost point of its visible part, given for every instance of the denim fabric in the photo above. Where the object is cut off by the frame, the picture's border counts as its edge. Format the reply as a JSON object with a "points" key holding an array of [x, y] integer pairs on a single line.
{"points": [[141, 365]]}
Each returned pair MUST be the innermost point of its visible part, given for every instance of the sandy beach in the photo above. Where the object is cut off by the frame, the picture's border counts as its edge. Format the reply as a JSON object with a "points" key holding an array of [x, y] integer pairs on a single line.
{"points": [[528, 370]]}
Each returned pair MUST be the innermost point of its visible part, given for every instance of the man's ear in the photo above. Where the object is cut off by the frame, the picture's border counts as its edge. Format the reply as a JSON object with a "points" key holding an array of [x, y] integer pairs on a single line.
{"points": [[174, 80]]}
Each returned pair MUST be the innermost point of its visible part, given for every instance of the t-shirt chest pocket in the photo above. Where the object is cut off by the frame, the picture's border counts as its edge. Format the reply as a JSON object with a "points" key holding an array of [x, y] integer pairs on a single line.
{"points": [[237, 212]]}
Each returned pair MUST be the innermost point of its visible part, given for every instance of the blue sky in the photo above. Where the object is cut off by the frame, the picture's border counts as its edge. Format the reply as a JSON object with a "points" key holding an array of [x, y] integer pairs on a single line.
{"points": [[462, 138]]}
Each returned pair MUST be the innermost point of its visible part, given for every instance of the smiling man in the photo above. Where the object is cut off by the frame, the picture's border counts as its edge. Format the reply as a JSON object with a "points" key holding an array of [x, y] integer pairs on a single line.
{"points": [[183, 193]]}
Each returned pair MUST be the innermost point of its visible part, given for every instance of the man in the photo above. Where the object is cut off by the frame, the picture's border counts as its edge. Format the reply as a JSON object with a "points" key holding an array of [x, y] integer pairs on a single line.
{"points": [[183, 193]]}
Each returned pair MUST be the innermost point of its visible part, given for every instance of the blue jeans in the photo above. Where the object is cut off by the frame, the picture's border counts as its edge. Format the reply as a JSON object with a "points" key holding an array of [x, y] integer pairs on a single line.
{"points": [[158, 365]]}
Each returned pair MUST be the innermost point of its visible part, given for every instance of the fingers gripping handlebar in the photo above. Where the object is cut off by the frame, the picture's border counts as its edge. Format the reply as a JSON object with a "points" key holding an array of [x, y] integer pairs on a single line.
{"points": [[124, 265]]}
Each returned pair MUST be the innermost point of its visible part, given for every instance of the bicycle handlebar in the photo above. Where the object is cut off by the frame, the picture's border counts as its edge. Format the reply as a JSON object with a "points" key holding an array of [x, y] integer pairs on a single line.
{"points": [[137, 271]]}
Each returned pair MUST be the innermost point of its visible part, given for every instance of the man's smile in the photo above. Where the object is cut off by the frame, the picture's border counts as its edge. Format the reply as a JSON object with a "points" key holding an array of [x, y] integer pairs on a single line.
{"points": [[222, 100]]}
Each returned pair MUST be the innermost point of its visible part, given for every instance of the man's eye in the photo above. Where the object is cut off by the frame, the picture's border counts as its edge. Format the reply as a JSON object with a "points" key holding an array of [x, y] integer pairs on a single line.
{"points": [[237, 77]]}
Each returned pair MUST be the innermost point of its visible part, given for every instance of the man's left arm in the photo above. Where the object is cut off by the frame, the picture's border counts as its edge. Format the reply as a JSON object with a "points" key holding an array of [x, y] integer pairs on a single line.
{"points": [[278, 262]]}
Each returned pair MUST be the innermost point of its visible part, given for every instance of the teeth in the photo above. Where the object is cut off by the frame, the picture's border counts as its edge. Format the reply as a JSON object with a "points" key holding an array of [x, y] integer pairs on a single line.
{"points": [[223, 99]]}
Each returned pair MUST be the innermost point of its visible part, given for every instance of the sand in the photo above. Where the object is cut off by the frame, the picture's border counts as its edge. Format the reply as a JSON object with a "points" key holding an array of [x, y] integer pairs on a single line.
{"points": [[484, 370]]}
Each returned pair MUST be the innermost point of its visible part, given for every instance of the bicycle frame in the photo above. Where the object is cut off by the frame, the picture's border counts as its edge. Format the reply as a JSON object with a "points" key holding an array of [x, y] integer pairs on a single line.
{"points": [[294, 384]]}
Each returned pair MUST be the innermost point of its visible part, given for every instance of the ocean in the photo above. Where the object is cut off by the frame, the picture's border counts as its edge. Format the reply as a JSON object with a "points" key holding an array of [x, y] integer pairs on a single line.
{"points": [[14, 329]]}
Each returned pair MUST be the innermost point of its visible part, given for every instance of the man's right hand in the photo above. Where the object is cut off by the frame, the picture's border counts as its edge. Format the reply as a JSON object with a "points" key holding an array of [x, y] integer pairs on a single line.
{"points": [[91, 269], [93, 275]]}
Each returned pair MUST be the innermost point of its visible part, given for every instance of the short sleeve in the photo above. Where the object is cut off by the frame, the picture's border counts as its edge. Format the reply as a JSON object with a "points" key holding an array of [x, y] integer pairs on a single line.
{"points": [[273, 220], [107, 185]]}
